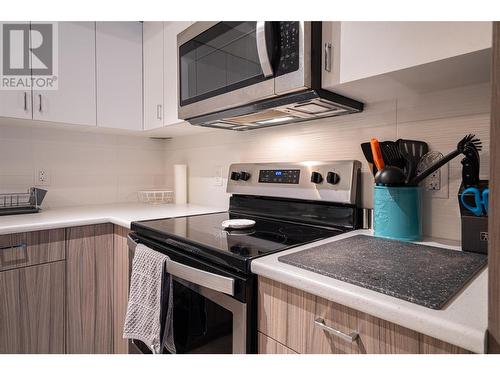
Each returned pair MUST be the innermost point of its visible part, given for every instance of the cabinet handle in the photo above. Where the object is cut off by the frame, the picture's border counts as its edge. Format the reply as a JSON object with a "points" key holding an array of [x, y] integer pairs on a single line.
{"points": [[158, 111], [328, 57], [14, 262], [25, 101], [349, 337], [39, 102]]}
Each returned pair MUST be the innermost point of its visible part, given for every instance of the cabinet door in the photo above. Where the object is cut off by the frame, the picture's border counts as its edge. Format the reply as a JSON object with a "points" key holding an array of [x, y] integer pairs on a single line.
{"points": [[89, 291], [15, 103], [42, 301], [74, 101], [372, 48], [32, 309], [170, 85], [9, 313], [119, 75], [153, 74]]}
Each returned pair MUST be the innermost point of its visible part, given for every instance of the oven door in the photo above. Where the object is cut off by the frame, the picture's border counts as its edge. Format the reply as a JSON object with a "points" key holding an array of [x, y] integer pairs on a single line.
{"points": [[225, 64], [208, 319]]}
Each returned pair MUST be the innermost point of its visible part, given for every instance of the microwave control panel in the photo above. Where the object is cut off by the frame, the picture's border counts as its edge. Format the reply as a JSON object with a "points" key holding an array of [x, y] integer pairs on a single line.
{"points": [[288, 41]]}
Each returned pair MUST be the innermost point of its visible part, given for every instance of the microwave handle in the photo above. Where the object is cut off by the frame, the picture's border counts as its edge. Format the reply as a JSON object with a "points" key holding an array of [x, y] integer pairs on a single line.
{"points": [[194, 275], [262, 50]]}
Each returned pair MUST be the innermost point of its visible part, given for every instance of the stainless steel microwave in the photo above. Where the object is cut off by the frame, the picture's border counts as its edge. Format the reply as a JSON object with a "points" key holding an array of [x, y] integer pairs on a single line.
{"points": [[246, 75]]}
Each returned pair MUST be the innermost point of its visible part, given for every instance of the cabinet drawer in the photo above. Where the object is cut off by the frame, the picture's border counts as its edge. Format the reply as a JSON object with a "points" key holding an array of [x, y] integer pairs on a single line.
{"points": [[310, 324], [30, 248]]}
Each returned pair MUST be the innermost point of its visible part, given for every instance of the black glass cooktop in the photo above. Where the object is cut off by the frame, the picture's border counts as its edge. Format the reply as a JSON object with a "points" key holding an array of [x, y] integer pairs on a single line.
{"points": [[204, 235]]}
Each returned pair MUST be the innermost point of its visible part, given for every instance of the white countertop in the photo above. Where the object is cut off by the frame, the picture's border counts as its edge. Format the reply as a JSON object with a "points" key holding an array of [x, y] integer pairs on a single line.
{"points": [[120, 214], [462, 322]]}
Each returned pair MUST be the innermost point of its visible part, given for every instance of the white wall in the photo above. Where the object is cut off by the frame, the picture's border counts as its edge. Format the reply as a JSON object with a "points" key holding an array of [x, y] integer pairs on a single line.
{"points": [[84, 168], [439, 118]]}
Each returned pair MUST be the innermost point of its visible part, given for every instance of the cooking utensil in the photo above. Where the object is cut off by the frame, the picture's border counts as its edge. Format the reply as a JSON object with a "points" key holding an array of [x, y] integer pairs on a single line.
{"points": [[390, 176], [412, 151], [481, 200], [470, 166], [391, 154], [377, 154], [461, 147], [366, 147]]}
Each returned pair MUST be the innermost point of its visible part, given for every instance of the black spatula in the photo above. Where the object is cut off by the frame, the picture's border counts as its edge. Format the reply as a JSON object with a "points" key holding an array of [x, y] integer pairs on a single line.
{"points": [[412, 151]]}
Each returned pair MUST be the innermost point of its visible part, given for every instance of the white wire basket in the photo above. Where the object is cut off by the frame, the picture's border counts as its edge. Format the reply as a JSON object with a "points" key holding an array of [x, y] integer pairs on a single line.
{"points": [[156, 196]]}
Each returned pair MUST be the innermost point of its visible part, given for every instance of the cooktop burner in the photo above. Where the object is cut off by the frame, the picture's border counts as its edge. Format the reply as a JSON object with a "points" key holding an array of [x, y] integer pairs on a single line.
{"points": [[206, 231]]}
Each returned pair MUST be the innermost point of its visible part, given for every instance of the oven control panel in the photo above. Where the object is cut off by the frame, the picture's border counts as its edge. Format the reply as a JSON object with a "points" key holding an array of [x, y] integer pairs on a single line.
{"points": [[335, 181], [279, 176]]}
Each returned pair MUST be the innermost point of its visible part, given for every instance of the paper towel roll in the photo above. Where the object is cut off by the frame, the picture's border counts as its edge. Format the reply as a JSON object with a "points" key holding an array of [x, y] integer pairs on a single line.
{"points": [[180, 181]]}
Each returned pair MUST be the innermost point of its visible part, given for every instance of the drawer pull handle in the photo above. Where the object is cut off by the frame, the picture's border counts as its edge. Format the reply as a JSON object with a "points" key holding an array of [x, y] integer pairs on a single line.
{"points": [[349, 337]]}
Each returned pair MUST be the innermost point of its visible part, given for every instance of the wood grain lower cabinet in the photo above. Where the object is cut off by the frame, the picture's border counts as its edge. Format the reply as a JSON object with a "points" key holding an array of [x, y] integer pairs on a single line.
{"points": [[42, 300], [32, 309], [10, 324], [89, 291], [288, 315], [120, 288]]}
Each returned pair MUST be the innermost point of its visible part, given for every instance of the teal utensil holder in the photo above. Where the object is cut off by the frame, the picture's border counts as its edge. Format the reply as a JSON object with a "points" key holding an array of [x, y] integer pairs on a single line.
{"points": [[397, 212]]}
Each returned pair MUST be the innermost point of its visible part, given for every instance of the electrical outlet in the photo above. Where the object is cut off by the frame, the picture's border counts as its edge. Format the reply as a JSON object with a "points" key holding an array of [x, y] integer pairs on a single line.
{"points": [[42, 177], [436, 184], [218, 176]]}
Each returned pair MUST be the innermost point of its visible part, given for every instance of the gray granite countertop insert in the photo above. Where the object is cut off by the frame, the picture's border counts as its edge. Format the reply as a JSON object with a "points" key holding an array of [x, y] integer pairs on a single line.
{"points": [[425, 275]]}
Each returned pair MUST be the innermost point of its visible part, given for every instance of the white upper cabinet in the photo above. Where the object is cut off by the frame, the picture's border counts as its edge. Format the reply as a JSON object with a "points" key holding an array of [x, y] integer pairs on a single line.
{"points": [[374, 61], [366, 49], [170, 85], [119, 75], [74, 101], [15, 103], [153, 74]]}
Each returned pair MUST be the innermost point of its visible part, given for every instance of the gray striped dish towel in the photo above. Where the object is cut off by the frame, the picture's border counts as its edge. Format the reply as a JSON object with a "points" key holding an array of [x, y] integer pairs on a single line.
{"points": [[150, 288]]}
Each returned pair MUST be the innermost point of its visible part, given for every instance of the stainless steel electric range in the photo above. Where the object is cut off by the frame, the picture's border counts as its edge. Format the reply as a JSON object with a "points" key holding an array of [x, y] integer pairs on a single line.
{"points": [[215, 294]]}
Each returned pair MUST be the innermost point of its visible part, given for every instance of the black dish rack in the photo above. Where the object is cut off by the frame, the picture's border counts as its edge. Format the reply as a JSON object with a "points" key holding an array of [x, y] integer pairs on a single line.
{"points": [[22, 203]]}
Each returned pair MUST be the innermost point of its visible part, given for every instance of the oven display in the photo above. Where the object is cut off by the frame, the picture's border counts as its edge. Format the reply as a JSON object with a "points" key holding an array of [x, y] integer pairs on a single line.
{"points": [[279, 176]]}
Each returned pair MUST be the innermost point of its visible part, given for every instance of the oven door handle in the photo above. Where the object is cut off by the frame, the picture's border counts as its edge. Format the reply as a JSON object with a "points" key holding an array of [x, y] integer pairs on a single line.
{"points": [[262, 49], [209, 280]]}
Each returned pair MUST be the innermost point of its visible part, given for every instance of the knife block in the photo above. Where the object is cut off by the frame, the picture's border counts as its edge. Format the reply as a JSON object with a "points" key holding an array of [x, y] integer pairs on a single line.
{"points": [[474, 228]]}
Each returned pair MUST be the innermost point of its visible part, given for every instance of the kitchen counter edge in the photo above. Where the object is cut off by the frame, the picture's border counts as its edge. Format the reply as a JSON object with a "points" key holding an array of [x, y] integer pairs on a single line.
{"points": [[118, 214]]}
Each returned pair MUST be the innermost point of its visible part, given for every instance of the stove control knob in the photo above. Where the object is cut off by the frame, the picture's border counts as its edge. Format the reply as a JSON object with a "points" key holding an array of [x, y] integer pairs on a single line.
{"points": [[316, 178], [235, 176], [332, 178], [245, 176]]}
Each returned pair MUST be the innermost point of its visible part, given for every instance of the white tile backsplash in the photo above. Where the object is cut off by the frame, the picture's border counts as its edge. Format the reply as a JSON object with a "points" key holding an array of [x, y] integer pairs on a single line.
{"points": [[439, 118], [88, 167], [84, 167]]}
